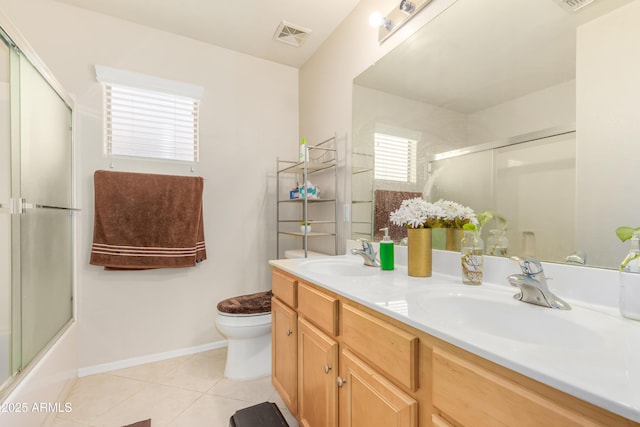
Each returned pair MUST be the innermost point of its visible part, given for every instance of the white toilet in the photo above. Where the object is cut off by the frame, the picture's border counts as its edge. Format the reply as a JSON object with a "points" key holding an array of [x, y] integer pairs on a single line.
{"points": [[246, 323]]}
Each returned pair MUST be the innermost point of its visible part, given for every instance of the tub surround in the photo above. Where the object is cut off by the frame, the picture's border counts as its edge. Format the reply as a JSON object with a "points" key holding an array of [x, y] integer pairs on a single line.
{"points": [[598, 363], [48, 379]]}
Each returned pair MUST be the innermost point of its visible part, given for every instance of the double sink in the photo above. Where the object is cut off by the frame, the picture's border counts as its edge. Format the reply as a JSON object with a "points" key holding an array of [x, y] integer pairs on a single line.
{"points": [[445, 303]]}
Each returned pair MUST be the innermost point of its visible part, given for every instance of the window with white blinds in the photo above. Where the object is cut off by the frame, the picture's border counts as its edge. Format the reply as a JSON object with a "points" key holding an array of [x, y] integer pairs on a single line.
{"points": [[148, 117], [395, 158]]}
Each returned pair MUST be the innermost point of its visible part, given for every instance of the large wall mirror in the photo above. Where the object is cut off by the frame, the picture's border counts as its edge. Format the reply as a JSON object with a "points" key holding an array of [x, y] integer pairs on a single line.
{"points": [[480, 107]]}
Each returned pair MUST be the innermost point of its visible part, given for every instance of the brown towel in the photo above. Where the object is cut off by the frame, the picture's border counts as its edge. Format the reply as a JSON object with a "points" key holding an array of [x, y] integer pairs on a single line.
{"points": [[144, 221], [387, 201]]}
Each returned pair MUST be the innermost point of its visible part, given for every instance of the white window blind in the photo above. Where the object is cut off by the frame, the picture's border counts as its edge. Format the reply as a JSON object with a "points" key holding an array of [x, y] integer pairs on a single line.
{"points": [[395, 158], [149, 117]]}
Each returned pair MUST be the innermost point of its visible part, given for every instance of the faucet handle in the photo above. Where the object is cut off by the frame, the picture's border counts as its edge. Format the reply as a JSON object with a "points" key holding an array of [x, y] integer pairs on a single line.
{"points": [[529, 266], [366, 245]]}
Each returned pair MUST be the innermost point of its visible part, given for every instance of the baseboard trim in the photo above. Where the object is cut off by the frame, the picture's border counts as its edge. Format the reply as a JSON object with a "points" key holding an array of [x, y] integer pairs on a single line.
{"points": [[135, 361]]}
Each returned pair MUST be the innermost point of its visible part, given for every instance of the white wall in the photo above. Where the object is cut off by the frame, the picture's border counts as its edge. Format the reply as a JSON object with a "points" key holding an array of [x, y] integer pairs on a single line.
{"points": [[249, 116], [608, 87]]}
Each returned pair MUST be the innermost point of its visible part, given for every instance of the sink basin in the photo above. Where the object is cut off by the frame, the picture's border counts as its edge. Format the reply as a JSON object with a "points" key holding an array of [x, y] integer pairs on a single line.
{"points": [[483, 311], [349, 267]]}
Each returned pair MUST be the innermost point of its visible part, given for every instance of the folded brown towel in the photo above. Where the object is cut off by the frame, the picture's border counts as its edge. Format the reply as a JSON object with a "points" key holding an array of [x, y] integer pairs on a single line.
{"points": [[144, 221]]}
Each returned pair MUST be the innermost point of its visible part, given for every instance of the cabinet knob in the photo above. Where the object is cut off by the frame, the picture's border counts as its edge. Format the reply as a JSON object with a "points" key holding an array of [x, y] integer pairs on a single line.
{"points": [[289, 332], [341, 382], [327, 368]]}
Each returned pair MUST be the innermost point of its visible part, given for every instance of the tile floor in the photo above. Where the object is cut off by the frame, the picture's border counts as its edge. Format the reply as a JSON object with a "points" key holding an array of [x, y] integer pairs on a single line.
{"points": [[188, 391]]}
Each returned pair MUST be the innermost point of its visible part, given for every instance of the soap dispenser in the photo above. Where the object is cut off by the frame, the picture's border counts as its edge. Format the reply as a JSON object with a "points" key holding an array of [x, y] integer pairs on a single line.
{"points": [[386, 251]]}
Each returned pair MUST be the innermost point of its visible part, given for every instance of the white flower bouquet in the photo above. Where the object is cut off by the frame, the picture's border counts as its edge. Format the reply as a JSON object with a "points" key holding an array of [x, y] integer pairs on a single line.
{"points": [[455, 214], [418, 213]]}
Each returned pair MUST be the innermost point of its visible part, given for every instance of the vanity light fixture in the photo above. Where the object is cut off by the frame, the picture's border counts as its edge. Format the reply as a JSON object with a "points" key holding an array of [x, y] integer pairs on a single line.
{"points": [[376, 20], [407, 7], [395, 19]]}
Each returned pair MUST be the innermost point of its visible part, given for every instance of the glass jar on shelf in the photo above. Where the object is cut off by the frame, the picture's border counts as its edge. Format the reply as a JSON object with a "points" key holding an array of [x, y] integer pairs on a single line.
{"points": [[471, 258], [497, 242]]}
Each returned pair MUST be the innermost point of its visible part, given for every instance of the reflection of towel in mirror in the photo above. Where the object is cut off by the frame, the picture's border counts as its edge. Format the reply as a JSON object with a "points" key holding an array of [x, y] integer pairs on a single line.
{"points": [[387, 201], [144, 221]]}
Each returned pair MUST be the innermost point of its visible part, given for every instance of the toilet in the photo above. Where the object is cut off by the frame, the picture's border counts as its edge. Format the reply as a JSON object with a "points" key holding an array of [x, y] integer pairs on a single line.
{"points": [[246, 323]]}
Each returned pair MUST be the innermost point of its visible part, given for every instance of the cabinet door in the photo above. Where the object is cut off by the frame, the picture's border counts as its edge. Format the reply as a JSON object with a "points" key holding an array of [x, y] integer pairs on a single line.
{"points": [[317, 367], [368, 399], [284, 347]]}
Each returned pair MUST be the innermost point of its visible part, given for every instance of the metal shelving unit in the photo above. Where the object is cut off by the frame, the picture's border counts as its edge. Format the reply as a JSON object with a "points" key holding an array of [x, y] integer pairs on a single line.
{"points": [[321, 159], [362, 203]]}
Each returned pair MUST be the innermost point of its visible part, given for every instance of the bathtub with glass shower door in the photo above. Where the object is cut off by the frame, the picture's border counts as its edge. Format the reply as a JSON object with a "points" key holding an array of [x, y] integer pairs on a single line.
{"points": [[36, 212]]}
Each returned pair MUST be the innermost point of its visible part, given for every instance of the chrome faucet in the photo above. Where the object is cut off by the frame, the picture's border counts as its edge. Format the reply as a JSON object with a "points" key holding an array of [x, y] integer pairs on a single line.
{"points": [[367, 253], [533, 285]]}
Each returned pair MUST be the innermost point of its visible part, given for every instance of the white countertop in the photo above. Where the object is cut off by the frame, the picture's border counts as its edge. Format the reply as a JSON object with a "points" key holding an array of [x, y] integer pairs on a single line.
{"points": [[590, 352]]}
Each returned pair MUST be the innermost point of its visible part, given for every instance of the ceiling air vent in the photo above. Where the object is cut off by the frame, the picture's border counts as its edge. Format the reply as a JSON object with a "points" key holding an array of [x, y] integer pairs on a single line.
{"points": [[575, 5], [291, 34]]}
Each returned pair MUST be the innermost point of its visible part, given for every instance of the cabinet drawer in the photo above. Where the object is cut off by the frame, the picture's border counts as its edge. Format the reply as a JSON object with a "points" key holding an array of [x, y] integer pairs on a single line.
{"points": [[284, 287], [473, 396], [392, 350], [318, 307]]}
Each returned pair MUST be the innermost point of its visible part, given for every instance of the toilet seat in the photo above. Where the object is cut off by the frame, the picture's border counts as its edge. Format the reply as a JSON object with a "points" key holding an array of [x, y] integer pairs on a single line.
{"points": [[251, 305], [245, 321]]}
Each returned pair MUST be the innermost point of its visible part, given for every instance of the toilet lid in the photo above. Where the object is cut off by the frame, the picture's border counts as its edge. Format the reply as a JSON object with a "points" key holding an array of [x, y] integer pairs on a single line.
{"points": [[257, 303]]}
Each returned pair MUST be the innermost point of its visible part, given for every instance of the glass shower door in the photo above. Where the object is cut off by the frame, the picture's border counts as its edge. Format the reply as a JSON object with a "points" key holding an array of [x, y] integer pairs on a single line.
{"points": [[36, 215], [46, 218]]}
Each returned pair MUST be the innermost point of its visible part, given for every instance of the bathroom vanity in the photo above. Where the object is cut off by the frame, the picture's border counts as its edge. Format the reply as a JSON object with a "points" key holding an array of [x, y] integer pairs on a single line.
{"points": [[354, 346]]}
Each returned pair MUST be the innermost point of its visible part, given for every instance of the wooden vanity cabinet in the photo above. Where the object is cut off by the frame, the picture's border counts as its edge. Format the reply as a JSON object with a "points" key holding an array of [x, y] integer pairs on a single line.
{"points": [[359, 368], [362, 395]]}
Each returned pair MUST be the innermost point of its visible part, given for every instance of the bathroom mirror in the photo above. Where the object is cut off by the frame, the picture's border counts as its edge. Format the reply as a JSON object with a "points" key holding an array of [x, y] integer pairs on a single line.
{"points": [[479, 106]]}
